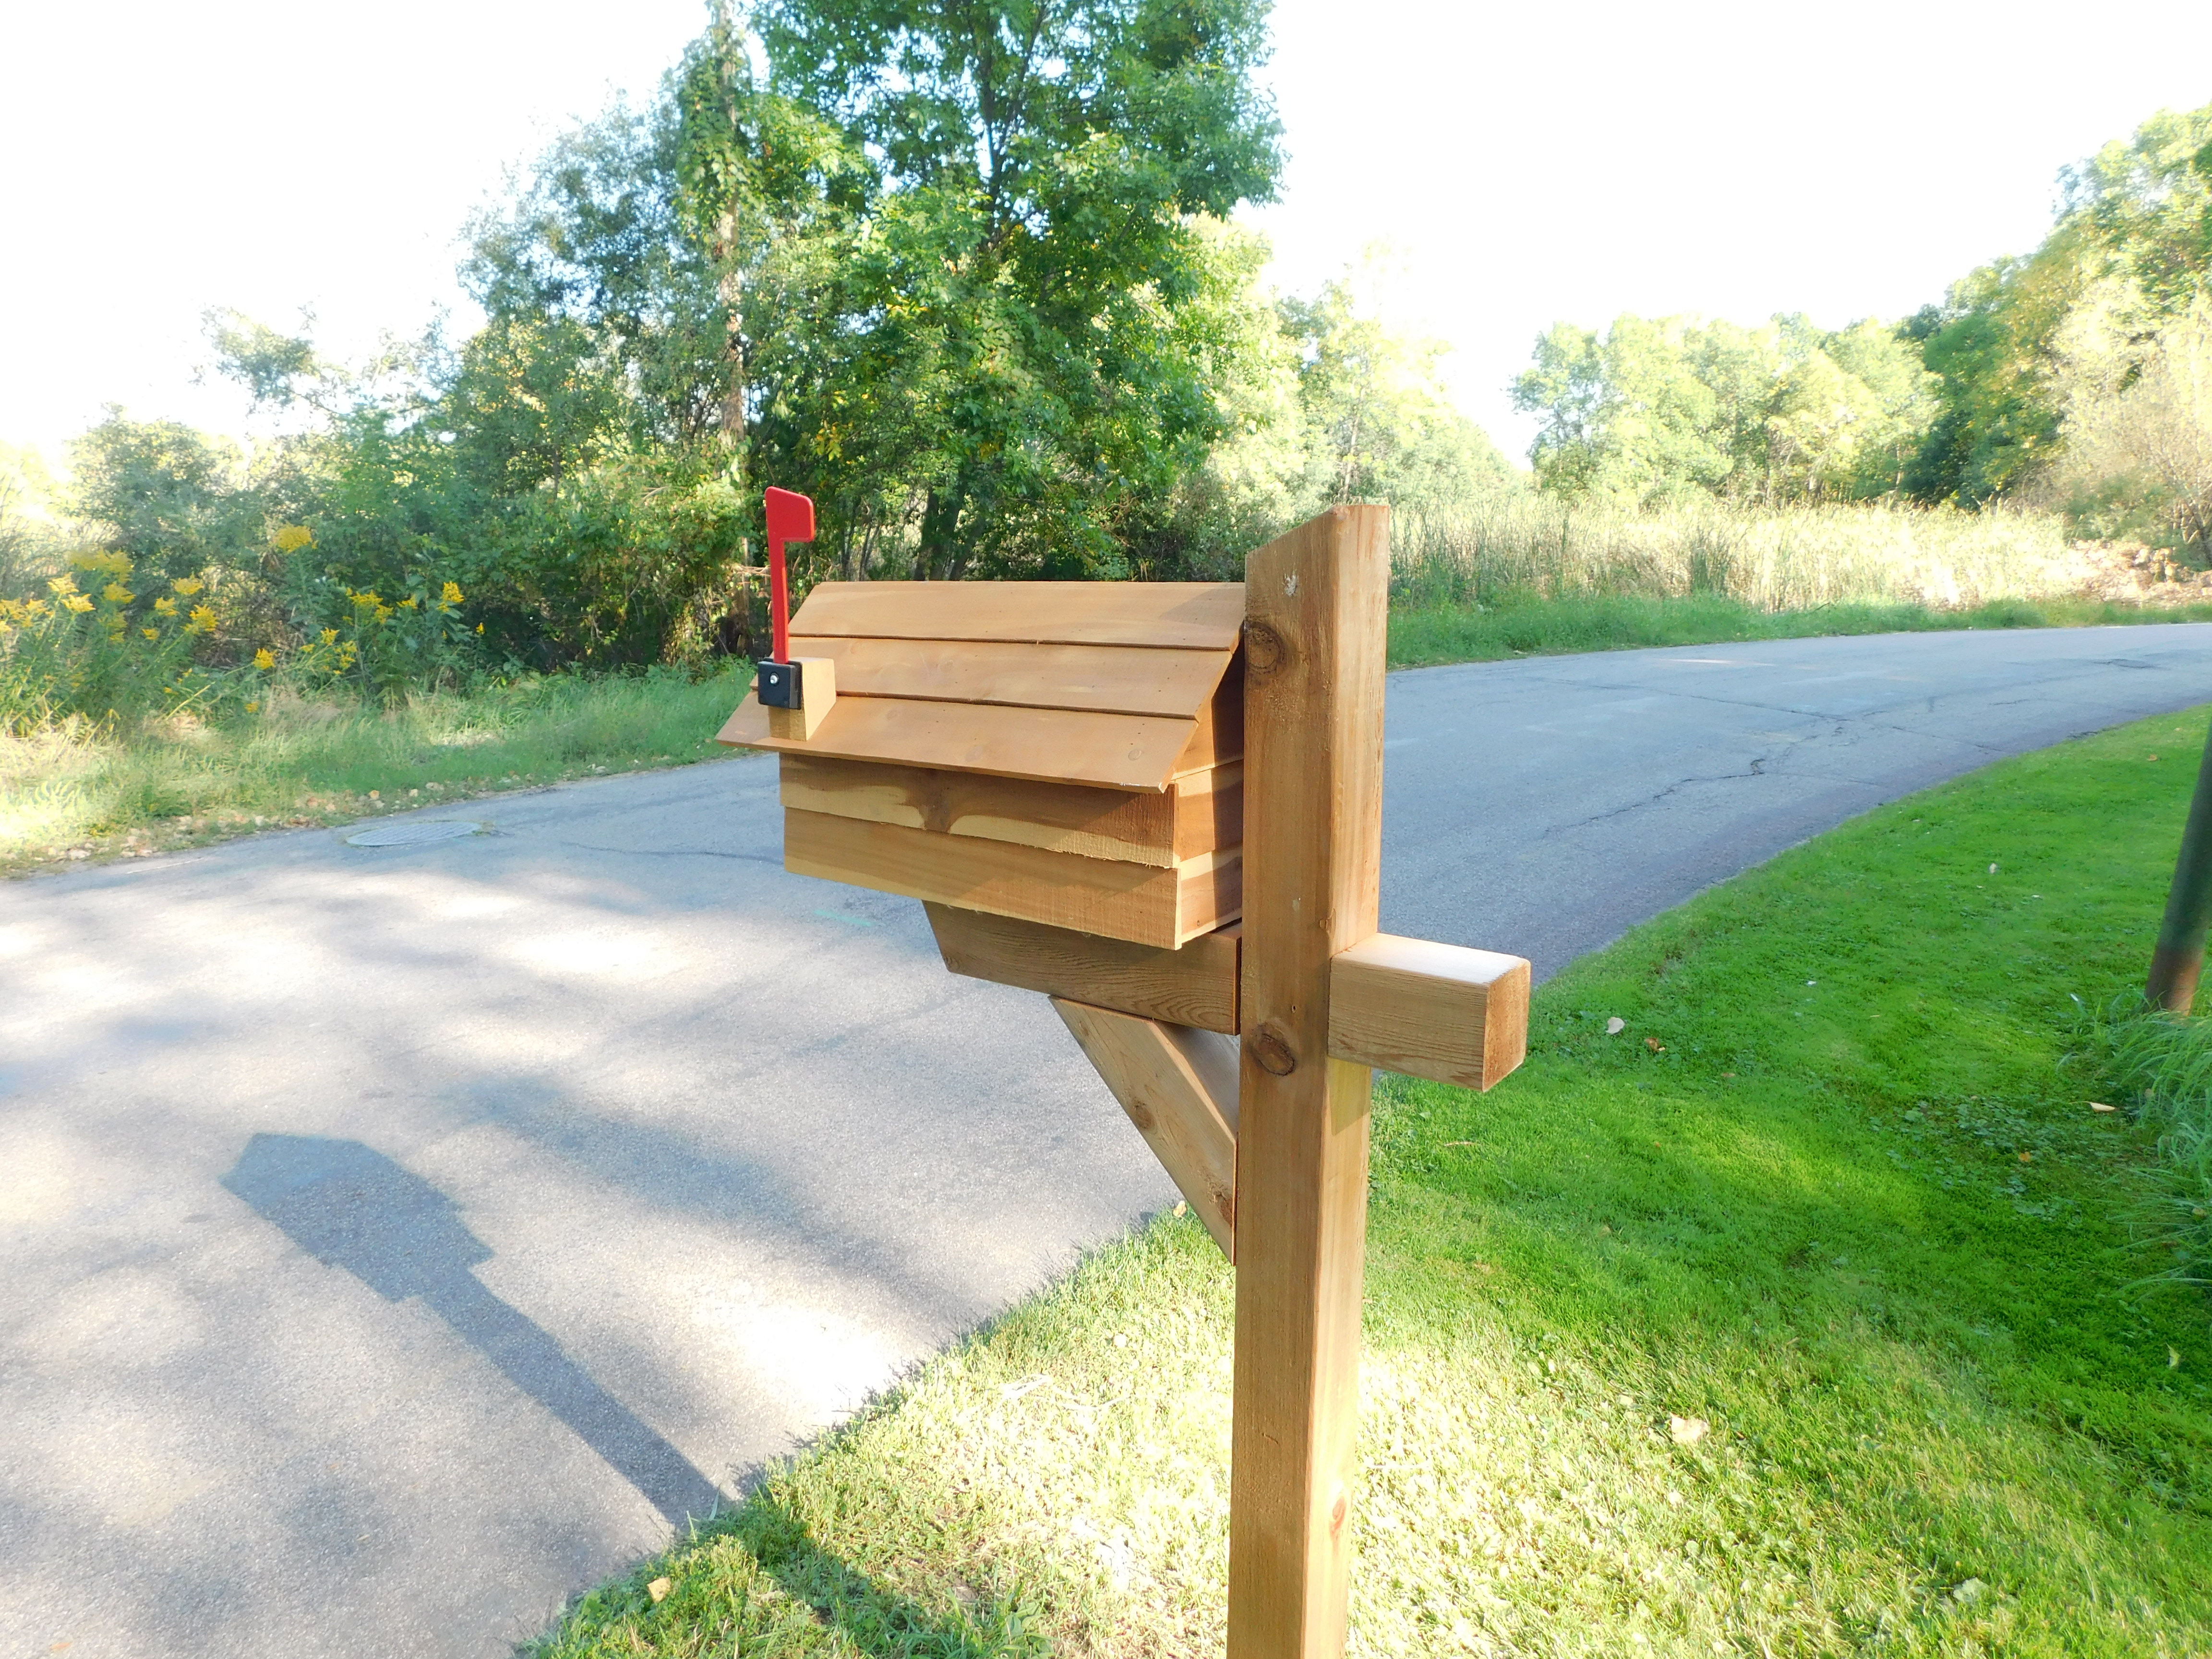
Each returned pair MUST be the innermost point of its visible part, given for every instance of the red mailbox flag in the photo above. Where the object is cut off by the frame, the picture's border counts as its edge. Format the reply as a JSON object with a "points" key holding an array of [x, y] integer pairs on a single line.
{"points": [[790, 518]]}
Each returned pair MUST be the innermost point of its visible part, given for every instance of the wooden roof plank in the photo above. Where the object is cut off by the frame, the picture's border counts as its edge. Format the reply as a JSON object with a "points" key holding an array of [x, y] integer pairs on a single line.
{"points": [[1111, 678], [1188, 615], [1055, 746]]}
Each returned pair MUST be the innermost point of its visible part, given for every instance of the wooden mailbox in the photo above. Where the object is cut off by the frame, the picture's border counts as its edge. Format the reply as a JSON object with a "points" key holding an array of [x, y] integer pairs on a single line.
{"points": [[1161, 804]]}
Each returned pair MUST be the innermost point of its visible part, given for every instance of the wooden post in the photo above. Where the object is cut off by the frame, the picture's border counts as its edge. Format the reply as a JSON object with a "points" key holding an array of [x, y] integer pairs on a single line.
{"points": [[1315, 610], [2178, 961]]}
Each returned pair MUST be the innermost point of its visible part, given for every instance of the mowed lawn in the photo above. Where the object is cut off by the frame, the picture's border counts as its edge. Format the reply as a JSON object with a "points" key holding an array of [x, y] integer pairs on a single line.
{"points": [[1811, 1313]]}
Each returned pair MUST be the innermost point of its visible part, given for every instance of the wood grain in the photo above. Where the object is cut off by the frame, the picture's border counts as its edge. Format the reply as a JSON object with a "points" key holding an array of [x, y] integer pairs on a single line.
{"points": [[1432, 1011], [1201, 814], [1053, 745], [1219, 737], [1187, 616], [1209, 810], [1119, 679], [1139, 903], [1178, 1084], [1313, 759], [1193, 986]]}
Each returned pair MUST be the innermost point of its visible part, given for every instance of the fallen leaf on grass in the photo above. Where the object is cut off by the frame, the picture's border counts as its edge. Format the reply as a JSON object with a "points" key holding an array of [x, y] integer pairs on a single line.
{"points": [[1655, 1045], [1616, 1026], [658, 1588], [2099, 1106], [1687, 1430], [2027, 1158]]}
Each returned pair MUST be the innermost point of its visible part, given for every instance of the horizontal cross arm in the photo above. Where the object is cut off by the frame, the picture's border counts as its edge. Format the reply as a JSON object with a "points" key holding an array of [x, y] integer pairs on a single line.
{"points": [[1435, 1011]]}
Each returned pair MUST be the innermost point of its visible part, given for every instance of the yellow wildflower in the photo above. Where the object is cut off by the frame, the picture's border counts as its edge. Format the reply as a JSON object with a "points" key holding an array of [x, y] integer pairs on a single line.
{"points": [[117, 593], [407, 604], [188, 586], [77, 602], [151, 633], [253, 708], [62, 584], [293, 537], [263, 658], [453, 593], [202, 620], [113, 564]]}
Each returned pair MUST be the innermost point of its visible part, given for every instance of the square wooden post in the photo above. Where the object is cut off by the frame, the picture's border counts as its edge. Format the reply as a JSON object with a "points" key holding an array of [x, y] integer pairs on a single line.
{"points": [[1317, 612]]}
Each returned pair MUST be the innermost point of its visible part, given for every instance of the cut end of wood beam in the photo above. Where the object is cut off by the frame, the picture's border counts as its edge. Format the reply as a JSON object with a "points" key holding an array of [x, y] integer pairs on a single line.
{"points": [[1431, 1011]]}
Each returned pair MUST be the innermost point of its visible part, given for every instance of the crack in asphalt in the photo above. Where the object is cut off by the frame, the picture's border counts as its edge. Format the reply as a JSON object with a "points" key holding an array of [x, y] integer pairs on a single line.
{"points": [[1758, 771]]}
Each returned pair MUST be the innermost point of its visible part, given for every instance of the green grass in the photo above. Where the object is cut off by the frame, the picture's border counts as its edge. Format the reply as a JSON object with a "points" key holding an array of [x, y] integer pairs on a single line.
{"points": [[1835, 1193], [69, 794], [1543, 627]]}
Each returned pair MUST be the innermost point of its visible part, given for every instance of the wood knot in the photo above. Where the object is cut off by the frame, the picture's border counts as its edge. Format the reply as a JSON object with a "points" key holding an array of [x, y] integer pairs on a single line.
{"points": [[1273, 1050], [1266, 651], [1337, 1511]]}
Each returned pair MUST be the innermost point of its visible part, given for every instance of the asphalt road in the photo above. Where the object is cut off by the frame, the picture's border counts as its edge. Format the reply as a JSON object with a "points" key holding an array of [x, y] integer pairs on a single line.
{"points": [[394, 1242]]}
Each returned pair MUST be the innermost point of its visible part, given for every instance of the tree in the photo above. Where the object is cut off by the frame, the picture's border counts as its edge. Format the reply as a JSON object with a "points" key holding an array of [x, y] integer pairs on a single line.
{"points": [[1784, 412], [2139, 426], [1378, 424], [2133, 239], [1029, 249]]}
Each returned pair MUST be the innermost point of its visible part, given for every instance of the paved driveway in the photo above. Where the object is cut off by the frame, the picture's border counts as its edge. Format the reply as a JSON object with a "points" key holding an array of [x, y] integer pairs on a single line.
{"points": [[394, 1242]]}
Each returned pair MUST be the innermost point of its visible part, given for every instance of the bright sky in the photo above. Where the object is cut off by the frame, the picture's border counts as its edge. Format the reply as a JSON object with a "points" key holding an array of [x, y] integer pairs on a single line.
{"points": [[1526, 163]]}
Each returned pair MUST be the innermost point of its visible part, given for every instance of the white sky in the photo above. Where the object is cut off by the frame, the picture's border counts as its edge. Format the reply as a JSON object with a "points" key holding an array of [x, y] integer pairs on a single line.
{"points": [[1526, 164]]}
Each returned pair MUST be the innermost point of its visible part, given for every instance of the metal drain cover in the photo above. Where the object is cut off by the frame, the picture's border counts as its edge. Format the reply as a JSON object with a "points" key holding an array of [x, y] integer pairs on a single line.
{"points": [[414, 832]]}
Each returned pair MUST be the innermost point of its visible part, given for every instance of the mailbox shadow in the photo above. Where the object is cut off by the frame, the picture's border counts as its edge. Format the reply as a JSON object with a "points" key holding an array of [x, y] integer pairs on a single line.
{"points": [[350, 1207]]}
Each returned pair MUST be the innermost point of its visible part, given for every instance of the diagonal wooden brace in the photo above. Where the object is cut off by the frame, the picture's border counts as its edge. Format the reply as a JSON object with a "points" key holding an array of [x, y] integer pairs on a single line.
{"points": [[1178, 1084]]}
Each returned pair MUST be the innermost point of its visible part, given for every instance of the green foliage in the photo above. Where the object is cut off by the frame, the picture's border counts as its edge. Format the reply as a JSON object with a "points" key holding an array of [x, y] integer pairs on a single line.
{"points": [[27, 531], [103, 656], [1026, 259], [1652, 411], [2132, 248], [1379, 424], [177, 501]]}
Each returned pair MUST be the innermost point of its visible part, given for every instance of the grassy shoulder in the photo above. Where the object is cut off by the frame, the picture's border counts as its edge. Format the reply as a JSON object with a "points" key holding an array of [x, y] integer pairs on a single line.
{"points": [[64, 796], [1806, 1314], [1427, 637]]}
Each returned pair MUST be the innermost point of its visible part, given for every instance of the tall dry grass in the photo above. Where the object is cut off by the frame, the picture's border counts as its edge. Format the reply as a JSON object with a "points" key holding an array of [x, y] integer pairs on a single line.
{"points": [[1522, 543]]}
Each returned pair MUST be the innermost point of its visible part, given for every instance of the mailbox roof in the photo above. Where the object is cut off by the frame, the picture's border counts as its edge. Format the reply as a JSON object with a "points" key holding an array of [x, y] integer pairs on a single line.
{"points": [[1119, 684]]}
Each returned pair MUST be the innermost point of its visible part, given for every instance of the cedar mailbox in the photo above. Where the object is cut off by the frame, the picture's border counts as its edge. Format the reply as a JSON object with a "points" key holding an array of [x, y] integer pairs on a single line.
{"points": [[1161, 804]]}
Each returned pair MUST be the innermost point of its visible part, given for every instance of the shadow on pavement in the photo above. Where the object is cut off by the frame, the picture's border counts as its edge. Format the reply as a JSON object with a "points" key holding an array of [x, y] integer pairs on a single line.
{"points": [[350, 1207]]}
